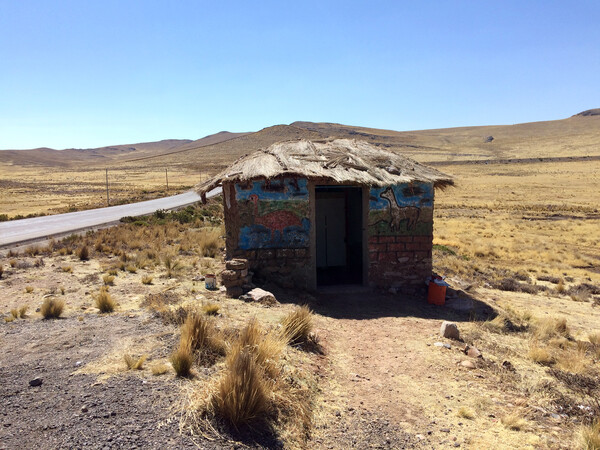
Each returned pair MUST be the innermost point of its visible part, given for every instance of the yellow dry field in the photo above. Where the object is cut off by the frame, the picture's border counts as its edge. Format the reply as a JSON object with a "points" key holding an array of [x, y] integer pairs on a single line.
{"points": [[538, 218], [50, 190]]}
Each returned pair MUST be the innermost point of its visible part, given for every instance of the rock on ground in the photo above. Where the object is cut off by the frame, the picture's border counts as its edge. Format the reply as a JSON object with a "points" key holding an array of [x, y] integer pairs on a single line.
{"points": [[449, 330]]}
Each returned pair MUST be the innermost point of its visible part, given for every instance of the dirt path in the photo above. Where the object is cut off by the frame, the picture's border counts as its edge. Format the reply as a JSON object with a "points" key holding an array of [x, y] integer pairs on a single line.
{"points": [[384, 370]]}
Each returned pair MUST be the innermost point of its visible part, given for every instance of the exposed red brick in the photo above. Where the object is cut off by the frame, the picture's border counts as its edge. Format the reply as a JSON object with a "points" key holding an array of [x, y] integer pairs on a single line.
{"points": [[404, 238], [377, 247], [397, 247], [387, 239], [374, 240], [387, 256], [423, 239]]}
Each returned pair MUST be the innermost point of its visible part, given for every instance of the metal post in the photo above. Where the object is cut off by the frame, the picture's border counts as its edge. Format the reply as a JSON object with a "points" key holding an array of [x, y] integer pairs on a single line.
{"points": [[167, 178], [107, 198]]}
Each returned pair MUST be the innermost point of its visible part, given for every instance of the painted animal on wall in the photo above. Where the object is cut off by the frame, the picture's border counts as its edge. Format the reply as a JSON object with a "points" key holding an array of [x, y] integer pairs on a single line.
{"points": [[399, 213], [404, 209]]}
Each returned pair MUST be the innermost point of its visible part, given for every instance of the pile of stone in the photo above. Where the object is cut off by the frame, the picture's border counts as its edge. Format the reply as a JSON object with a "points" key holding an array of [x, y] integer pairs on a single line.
{"points": [[236, 277]]}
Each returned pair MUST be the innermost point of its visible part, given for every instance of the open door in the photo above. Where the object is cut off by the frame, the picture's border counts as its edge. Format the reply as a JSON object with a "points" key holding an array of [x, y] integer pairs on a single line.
{"points": [[339, 216]]}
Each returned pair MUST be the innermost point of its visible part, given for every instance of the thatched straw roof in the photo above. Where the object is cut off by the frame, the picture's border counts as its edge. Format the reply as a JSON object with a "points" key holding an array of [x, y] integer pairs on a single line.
{"points": [[343, 161]]}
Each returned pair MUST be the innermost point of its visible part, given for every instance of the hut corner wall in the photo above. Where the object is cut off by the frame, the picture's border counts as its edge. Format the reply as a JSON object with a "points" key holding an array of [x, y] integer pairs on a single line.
{"points": [[400, 234]]}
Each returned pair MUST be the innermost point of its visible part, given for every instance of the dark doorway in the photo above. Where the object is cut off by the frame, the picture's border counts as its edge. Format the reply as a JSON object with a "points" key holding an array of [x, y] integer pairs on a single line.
{"points": [[339, 217]]}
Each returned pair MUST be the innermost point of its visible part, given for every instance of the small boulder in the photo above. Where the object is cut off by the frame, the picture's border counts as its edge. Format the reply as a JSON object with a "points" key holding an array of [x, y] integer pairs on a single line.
{"points": [[442, 344], [260, 296], [449, 330], [473, 352], [468, 364], [37, 381]]}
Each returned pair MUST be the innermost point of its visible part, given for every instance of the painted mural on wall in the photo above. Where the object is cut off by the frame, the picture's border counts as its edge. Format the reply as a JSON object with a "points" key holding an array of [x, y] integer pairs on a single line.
{"points": [[273, 213], [404, 209]]}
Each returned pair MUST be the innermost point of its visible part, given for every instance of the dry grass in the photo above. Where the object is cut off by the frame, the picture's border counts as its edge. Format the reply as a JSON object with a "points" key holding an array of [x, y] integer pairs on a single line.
{"points": [[14, 313], [109, 280], [514, 421], [210, 242], [135, 363], [200, 333], [540, 355], [211, 309], [104, 301], [182, 360], [67, 269], [589, 436], [23, 311], [573, 360], [172, 265], [266, 347], [594, 338], [83, 253], [466, 413], [243, 395], [147, 279], [159, 369], [52, 308], [29, 289], [551, 327], [297, 325], [131, 268]]}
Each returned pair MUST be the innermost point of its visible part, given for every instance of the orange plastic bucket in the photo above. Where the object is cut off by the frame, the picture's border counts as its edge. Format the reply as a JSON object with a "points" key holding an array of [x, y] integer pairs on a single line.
{"points": [[436, 294]]}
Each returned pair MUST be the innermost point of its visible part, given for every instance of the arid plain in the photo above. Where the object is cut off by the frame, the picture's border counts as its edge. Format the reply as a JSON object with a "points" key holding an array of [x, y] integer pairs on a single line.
{"points": [[518, 238]]}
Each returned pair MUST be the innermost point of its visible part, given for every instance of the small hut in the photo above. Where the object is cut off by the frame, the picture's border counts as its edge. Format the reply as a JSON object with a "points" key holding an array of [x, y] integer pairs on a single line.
{"points": [[311, 213]]}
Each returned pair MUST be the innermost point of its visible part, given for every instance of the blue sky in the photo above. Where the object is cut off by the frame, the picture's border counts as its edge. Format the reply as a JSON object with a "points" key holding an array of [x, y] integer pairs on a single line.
{"points": [[93, 73]]}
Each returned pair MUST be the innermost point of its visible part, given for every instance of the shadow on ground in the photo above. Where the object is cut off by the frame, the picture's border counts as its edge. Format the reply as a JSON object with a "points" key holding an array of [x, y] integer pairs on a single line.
{"points": [[362, 303]]}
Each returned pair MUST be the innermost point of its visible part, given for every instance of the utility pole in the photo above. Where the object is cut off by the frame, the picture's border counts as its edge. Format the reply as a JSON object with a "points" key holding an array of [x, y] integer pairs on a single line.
{"points": [[107, 198], [167, 178]]}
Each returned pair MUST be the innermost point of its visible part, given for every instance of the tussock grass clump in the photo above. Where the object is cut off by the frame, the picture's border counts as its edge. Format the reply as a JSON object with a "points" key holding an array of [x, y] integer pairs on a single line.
{"points": [[67, 269], [29, 289], [200, 333], [465, 413], [159, 369], [83, 253], [52, 308], [297, 325], [131, 268], [514, 421], [172, 265], [9, 319], [551, 327], [243, 395], [1, 270], [540, 355], [210, 242], [23, 311], [113, 272], [182, 360], [13, 263], [14, 313], [211, 309], [266, 347], [109, 280], [135, 363], [589, 436], [574, 361], [594, 338], [147, 279], [104, 302]]}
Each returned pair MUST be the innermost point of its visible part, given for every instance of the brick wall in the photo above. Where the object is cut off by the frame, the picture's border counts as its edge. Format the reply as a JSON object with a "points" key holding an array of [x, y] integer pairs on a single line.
{"points": [[399, 260]]}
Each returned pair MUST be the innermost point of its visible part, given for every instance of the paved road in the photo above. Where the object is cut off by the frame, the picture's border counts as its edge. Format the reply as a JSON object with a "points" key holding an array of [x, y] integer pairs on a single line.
{"points": [[24, 230]]}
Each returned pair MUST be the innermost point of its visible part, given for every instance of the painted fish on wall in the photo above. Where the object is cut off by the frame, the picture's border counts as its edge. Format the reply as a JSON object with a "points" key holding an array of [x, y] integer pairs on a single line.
{"points": [[273, 214]]}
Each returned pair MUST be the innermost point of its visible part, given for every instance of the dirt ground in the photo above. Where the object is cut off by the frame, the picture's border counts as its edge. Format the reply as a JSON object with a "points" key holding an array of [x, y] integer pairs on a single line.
{"points": [[382, 382]]}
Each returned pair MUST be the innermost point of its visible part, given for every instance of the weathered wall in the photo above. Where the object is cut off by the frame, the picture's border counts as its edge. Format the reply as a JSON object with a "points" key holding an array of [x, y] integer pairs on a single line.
{"points": [[400, 234], [267, 222]]}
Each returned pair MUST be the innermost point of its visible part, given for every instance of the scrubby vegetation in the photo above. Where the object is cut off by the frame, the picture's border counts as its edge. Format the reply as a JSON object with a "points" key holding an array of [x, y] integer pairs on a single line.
{"points": [[52, 308]]}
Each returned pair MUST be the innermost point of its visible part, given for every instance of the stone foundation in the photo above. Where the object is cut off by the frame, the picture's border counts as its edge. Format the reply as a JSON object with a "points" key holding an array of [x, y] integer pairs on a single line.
{"points": [[399, 260], [287, 267]]}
